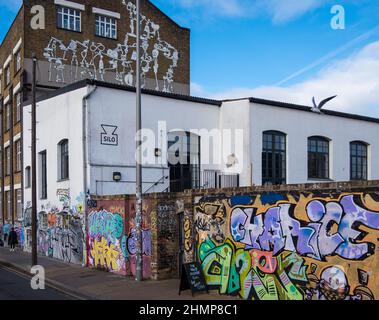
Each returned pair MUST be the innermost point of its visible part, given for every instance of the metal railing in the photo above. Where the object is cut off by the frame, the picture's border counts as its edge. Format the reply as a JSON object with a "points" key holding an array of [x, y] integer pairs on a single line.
{"points": [[212, 179]]}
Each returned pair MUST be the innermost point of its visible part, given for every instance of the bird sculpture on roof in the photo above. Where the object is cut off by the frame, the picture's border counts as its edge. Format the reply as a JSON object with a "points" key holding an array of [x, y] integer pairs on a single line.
{"points": [[317, 107]]}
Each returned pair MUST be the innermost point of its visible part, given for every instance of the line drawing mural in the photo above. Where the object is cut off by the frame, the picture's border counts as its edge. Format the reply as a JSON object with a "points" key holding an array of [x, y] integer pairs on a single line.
{"points": [[88, 59], [284, 247]]}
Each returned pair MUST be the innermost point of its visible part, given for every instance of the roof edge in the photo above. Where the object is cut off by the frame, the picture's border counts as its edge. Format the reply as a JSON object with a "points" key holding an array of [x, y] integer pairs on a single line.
{"points": [[309, 109]]}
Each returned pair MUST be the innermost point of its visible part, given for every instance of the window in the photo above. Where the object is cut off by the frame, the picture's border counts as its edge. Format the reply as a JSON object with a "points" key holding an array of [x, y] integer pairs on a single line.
{"points": [[69, 19], [106, 27], [184, 161], [28, 177], [18, 61], [18, 107], [18, 155], [274, 158], [43, 174], [7, 161], [19, 203], [358, 160], [8, 206], [318, 158], [7, 116], [7, 75], [63, 160]]}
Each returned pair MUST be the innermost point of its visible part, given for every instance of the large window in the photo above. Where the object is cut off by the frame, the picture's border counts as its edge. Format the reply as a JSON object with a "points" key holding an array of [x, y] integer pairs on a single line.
{"points": [[358, 160], [184, 161], [274, 158], [318, 158], [69, 19], [43, 174], [106, 27], [63, 160]]}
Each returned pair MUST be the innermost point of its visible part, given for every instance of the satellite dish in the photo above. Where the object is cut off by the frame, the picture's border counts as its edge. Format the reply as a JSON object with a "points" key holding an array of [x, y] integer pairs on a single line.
{"points": [[317, 107]]}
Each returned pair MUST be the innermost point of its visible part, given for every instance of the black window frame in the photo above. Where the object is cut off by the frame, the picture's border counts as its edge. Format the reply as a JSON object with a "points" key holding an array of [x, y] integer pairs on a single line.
{"points": [[318, 158], [358, 162], [43, 174], [278, 164], [64, 160]]}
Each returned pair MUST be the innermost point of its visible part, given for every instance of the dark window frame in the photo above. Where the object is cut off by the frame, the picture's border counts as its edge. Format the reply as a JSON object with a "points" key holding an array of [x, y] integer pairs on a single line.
{"points": [[28, 175], [358, 160], [318, 158], [64, 160], [274, 157], [43, 174]]}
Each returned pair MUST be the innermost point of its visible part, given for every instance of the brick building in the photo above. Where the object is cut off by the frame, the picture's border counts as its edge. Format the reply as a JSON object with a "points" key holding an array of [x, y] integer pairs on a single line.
{"points": [[73, 40]]}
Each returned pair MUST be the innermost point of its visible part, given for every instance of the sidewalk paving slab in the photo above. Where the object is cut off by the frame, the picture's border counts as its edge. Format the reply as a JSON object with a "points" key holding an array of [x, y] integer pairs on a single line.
{"points": [[87, 283]]}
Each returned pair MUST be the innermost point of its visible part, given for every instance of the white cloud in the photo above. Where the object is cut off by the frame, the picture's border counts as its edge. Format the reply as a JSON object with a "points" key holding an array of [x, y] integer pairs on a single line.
{"points": [[355, 80]]}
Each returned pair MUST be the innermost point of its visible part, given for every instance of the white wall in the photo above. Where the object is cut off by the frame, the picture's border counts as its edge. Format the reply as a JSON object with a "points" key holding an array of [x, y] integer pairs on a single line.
{"points": [[117, 108], [235, 115], [58, 118], [299, 125]]}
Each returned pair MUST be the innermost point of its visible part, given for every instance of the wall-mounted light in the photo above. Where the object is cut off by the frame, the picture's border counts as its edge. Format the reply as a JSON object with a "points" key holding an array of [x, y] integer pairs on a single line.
{"points": [[158, 152], [117, 176]]}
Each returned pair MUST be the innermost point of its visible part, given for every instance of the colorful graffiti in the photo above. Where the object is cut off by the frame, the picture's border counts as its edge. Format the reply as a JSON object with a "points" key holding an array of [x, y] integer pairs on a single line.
{"points": [[111, 247], [276, 247], [106, 231], [60, 228], [60, 236]]}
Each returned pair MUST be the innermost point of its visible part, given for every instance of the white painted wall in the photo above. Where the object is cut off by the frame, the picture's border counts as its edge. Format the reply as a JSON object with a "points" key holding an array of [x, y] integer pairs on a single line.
{"points": [[58, 118], [235, 115], [117, 108], [299, 125], [61, 118]]}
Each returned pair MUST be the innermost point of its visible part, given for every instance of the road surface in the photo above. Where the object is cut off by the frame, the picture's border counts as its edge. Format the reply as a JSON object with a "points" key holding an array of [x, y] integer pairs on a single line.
{"points": [[16, 286]]}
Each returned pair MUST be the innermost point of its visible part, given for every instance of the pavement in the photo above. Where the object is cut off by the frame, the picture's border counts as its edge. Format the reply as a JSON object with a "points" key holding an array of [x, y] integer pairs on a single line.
{"points": [[91, 284]]}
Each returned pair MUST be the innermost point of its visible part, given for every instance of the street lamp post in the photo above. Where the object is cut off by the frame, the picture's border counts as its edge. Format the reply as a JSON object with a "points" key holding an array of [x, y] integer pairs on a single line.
{"points": [[139, 274], [34, 166]]}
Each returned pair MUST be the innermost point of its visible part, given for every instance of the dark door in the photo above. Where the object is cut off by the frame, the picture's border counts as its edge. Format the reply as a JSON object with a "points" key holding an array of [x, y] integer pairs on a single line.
{"points": [[184, 160]]}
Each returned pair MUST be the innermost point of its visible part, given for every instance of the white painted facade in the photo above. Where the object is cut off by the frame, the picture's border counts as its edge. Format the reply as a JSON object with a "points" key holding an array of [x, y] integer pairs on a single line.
{"points": [[63, 117]]}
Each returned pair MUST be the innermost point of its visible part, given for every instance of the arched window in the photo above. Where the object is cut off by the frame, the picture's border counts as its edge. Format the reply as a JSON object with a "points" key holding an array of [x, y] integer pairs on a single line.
{"points": [[358, 160], [274, 158], [318, 158], [63, 160]]}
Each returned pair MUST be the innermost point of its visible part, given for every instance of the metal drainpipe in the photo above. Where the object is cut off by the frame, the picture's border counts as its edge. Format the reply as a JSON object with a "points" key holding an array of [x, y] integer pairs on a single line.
{"points": [[85, 165]]}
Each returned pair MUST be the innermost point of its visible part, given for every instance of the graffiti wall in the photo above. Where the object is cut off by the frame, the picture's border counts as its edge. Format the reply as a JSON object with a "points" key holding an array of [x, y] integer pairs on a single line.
{"points": [[112, 237], [282, 246], [60, 228]]}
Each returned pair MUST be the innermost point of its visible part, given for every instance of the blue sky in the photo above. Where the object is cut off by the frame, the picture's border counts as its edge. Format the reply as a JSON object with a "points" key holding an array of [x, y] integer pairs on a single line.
{"points": [[248, 47]]}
